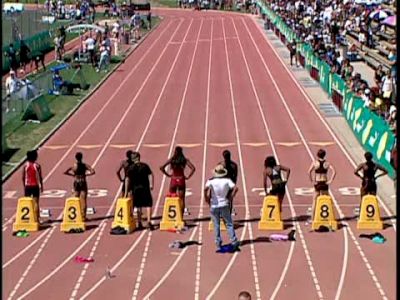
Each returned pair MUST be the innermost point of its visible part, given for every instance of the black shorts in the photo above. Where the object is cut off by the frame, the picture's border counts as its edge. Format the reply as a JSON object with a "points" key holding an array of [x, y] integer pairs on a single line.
{"points": [[142, 196], [32, 191], [321, 186], [80, 186], [278, 189], [368, 187]]}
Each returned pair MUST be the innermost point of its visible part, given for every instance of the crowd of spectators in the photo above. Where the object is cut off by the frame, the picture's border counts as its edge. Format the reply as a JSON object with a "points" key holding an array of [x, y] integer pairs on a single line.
{"points": [[81, 10], [324, 24]]}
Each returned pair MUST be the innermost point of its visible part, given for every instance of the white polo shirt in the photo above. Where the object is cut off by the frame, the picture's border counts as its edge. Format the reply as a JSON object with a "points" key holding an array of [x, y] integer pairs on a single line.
{"points": [[220, 188]]}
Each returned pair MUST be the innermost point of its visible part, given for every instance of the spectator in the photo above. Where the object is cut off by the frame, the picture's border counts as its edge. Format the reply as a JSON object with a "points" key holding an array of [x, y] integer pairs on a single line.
{"points": [[38, 57], [136, 25], [59, 84], [57, 48], [63, 37], [293, 53], [104, 59], [90, 47], [392, 57], [149, 20], [11, 53], [387, 86], [392, 117], [24, 55], [379, 74], [11, 88]]}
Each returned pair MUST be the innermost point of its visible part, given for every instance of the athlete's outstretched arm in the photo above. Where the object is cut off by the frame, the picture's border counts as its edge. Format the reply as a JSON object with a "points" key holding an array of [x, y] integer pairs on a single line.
{"points": [[91, 170], [357, 171], [40, 177], [382, 169], [70, 172], [151, 180], [310, 171], [162, 168], [333, 174], [121, 166], [265, 177], [207, 195], [287, 170], [192, 168], [23, 176]]}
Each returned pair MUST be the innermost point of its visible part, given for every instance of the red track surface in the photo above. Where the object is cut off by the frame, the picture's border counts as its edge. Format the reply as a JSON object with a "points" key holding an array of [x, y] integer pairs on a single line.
{"points": [[173, 90]]}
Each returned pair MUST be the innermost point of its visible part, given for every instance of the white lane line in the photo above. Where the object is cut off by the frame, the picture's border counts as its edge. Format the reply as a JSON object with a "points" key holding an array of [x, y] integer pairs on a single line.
{"points": [[311, 103], [101, 110], [145, 130], [31, 263], [203, 175], [86, 266], [59, 266], [183, 100], [233, 258], [345, 256], [113, 134], [252, 248], [94, 287], [306, 146], [293, 212], [26, 248]]}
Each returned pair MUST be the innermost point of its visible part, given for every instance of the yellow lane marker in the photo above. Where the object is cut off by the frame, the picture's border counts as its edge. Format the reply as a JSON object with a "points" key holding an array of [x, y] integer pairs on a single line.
{"points": [[122, 146], [221, 144], [155, 145], [88, 146], [288, 144], [255, 144], [321, 144], [55, 147], [189, 145]]}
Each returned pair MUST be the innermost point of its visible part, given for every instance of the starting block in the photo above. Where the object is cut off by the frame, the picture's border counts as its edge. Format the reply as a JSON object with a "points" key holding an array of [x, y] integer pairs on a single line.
{"points": [[222, 225], [172, 214], [73, 215], [123, 215], [324, 214], [270, 215], [26, 218], [370, 215]]}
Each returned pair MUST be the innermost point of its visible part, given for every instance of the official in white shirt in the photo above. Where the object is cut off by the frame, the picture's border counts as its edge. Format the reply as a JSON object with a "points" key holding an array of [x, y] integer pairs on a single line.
{"points": [[216, 192]]}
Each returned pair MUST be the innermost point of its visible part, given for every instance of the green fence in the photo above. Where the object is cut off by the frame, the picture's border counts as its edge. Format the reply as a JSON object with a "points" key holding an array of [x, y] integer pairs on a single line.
{"points": [[371, 131], [39, 42]]}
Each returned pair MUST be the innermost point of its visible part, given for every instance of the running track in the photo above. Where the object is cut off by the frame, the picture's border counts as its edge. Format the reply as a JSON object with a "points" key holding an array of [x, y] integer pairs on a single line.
{"points": [[207, 81]]}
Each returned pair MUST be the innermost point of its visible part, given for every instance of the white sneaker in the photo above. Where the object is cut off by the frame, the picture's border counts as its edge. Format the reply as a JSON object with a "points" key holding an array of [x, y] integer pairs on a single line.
{"points": [[233, 212], [186, 211]]}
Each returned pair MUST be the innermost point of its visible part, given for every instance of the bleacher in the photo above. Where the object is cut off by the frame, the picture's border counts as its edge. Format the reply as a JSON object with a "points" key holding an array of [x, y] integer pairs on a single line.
{"points": [[384, 41]]}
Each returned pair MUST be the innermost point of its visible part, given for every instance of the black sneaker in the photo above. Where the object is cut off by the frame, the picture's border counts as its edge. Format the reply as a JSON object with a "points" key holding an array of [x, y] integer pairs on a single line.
{"points": [[292, 235], [235, 247], [151, 227]]}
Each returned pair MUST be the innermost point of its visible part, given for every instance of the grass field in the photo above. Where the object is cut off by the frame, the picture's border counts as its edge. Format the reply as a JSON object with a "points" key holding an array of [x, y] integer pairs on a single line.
{"points": [[22, 136]]}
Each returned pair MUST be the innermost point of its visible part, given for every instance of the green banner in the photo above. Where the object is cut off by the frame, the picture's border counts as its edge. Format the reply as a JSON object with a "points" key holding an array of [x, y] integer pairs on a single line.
{"points": [[371, 130], [324, 76], [40, 42], [339, 85]]}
